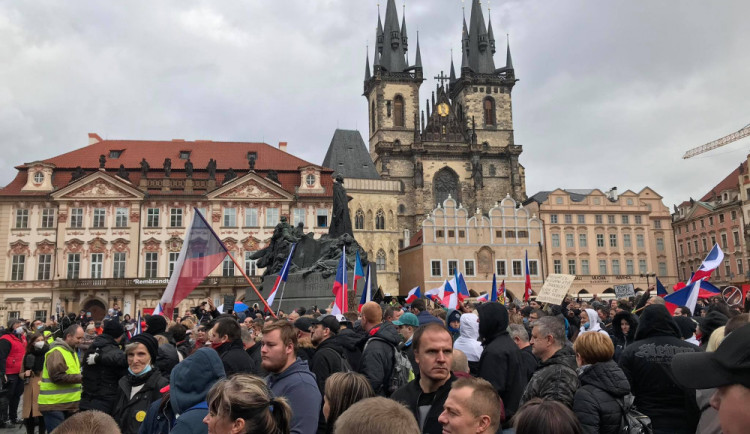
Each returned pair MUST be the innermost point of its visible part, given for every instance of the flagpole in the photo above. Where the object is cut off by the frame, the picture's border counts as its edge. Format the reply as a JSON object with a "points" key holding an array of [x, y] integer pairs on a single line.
{"points": [[252, 285], [281, 298]]}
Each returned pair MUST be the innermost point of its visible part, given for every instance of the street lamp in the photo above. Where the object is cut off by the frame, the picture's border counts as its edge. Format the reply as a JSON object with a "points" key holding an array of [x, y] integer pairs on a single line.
{"points": [[647, 275]]}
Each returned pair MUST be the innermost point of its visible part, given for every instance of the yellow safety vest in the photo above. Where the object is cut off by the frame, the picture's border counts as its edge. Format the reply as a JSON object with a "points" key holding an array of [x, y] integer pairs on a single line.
{"points": [[48, 334], [51, 393]]}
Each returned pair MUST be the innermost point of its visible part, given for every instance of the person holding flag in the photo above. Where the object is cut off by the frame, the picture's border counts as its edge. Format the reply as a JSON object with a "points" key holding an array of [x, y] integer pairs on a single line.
{"points": [[527, 285], [279, 279]]}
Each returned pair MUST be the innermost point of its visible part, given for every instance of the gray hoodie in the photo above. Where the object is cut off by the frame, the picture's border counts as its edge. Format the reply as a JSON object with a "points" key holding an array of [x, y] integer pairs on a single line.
{"points": [[297, 384]]}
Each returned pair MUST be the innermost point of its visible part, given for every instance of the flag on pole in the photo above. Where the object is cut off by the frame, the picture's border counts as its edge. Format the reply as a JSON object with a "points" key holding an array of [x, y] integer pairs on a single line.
{"points": [[414, 294], [527, 285], [462, 290], [708, 290], [339, 287], [502, 298], [484, 297], [201, 253], [436, 294], [138, 327], [687, 296], [661, 291], [450, 296], [713, 261], [359, 272], [281, 277], [493, 291], [366, 291]]}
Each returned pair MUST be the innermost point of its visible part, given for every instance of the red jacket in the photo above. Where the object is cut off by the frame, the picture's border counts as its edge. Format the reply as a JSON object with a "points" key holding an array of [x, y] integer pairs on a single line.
{"points": [[14, 358]]}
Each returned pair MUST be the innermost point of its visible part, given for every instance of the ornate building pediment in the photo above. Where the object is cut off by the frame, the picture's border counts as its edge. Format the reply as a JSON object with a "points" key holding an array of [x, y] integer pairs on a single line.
{"points": [[73, 246], [250, 186], [19, 248], [44, 247], [97, 245], [98, 185], [174, 244], [250, 244]]}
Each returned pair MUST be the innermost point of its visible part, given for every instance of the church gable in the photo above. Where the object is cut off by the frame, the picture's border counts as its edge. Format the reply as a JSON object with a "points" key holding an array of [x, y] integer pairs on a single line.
{"points": [[250, 186], [98, 185]]}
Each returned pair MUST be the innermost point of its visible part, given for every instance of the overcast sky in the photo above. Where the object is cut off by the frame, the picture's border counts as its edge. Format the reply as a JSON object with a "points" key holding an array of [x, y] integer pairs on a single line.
{"points": [[611, 93]]}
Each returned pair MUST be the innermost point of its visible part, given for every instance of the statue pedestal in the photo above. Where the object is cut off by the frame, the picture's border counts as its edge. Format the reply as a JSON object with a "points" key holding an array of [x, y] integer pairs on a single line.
{"points": [[143, 183], [188, 185], [211, 185], [165, 184]]}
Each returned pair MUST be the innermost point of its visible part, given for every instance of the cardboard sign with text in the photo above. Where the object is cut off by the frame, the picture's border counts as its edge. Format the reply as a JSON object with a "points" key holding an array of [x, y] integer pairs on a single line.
{"points": [[555, 288], [624, 291]]}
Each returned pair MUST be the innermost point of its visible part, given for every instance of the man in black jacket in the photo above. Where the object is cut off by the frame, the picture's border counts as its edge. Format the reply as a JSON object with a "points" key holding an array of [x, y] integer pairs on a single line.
{"points": [[329, 352], [252, 348], [555, 378], [377, 356], [227, 341], [104, 363], [647, 364], [500, 363], [425, 396], [529, 362]]}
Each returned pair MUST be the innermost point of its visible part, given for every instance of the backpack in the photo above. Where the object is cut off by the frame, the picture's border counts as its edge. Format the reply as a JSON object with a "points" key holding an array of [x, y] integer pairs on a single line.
{"points": [[345, 366], [633, 421], [401, 373]]}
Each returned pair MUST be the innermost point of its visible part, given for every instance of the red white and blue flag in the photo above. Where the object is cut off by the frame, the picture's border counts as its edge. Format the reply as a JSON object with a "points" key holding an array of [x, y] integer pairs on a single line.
{"points": [[436, 294], [202, 251], [661, 291], [359, 272], [687, 296], [366, 291], [713, 260], [340, 287], [450, 296], [527, 286], [281, 277], [413, 295], [483, 297]]}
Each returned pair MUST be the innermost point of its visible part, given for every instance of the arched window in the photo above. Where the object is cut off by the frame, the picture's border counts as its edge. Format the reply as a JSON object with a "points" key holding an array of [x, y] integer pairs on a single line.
{"points": [[372, 117], [489, 111], [402, 209], [380, 220], [398, 111], [445, 183], [380, 260], [359, 219]]}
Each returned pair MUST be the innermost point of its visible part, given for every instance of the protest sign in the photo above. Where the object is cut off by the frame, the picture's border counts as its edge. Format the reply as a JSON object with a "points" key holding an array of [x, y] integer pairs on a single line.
{"points": [[555, 288], [624, 291]]}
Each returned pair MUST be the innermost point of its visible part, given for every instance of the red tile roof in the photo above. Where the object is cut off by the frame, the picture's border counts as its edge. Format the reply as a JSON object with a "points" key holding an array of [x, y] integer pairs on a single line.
{"points": [[731, 181], [227, 155]]}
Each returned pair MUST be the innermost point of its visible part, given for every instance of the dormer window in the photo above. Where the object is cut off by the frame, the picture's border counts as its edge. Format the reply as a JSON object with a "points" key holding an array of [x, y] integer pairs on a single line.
{"points": [[310, 180], [38, 177], [115, 153], [184, 155], [252, 156]]}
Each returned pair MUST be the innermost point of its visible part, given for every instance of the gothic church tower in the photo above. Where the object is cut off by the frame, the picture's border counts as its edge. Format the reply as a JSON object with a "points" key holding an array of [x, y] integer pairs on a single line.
{"points": [[461, 144]]}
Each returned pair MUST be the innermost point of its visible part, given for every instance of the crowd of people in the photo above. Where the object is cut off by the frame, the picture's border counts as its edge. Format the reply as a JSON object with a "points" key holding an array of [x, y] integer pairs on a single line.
{"points": [[578, 367]]}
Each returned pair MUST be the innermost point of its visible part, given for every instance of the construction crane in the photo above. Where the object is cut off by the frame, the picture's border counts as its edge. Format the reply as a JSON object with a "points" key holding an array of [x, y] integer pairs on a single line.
{"points": [[744, 132]]}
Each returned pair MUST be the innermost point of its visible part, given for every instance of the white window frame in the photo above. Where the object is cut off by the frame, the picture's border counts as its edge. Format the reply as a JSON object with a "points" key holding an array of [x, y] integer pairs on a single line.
{"points": [[513, 267], [18, 267], [251, 217], [473, 267], [97, 265], [227, 267], [121, 217], [439, 263], [603, 267], [229, 217], [151, 265], [152, 217], [48, 218], [322, 212], [44, 267], [533, 267], [175, 218], [272, 217], [298, 216], [73, 266], [22, 218], [99, 219], [557, 266], [583, 240], [172, 260], [448, 263], [251, 265], [505, 267], [119, 259], [585, 267]]}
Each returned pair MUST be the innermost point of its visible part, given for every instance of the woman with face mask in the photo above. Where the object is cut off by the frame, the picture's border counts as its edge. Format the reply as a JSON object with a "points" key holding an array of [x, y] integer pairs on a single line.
{"points": [[141, 386], [12, 350], [33, 363]]}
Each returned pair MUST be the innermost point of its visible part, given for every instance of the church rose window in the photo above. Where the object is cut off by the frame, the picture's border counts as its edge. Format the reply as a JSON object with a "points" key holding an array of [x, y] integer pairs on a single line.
{"points": [[445, 183]]}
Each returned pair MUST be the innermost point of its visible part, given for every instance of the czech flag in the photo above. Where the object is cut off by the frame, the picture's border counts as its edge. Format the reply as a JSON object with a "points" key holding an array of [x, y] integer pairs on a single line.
{"points": [[358, 271], [713, 261], [459, 284], [483, 297], [527, 286], [280, 278], [339, 287], [687, 296], [661, 291], [414, 294], [708, 290], [450, 296], [367, 292], [436, 294], [202, 251]]}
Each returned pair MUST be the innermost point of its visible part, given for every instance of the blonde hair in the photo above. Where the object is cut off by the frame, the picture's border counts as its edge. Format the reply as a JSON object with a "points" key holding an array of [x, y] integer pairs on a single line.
{"points": [[594, 347], [161, 339], [716, 337], [484, 400], [244, 396], [342, 390], [90, 422], [188, 323]]}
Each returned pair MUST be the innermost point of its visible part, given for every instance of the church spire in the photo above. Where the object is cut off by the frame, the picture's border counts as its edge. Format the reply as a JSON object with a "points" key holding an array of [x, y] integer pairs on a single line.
{"points": [[379, 33], [418, 60], [404, 38], [508, 59], [392, 55], [490, 35], [479, 49], [453, 70], [367, 64]]}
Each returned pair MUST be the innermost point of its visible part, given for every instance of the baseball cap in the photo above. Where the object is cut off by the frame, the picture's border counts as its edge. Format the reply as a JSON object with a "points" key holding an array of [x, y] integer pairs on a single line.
{"points": [[304, 323], [729, 364], [328, 321], [407, 319]]}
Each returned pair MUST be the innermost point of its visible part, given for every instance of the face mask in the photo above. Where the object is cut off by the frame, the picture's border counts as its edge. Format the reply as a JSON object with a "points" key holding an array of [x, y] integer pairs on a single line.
{"points": [[129, 327], [39, 345], [586, 326], [216, 345], [19, 330], [41, 327], [525, 320], [145, 371]]}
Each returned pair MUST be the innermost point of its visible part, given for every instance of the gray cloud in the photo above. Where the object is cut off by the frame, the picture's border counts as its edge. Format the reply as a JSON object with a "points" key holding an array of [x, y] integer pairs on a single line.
{"points": [[611, 93]]}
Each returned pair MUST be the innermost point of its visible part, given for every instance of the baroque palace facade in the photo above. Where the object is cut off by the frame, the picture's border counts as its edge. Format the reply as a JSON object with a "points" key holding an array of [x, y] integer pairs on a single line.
{"points": [[105, 223]]}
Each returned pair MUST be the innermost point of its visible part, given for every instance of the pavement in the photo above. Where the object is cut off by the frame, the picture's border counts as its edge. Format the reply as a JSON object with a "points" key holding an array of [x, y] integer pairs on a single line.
{"points": [[17, 429]]}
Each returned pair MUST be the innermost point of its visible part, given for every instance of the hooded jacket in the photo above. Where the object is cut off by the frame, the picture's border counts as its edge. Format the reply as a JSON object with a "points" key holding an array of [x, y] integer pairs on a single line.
{"points": [[190, 382], [328, 359], [350, 340], [235, 359], [409, 396], [555, 378], [100, 380], [594, 323], [647, 365], [377, 357], [596, 401], [619, 339], [468, 342], [297, 384], [500, 363], [453, 316]]}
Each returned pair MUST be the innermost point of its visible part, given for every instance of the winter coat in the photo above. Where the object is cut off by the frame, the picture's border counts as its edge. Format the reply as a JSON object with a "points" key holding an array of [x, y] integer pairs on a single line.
{"points": [[468, 341], [597, 401], [297, 384], [619, 339], [101, 379], [594, 324], [409, 396], [12, 350], [254, 353], [328, 359], [189, 384], [235, 359], [350, 340], [130, 412], [377, 357], [529, 363], [33, 362], [185, 348], [500, 363], [88, 339], [646, 363], [555, 378], [425, 317], [167, 357]]}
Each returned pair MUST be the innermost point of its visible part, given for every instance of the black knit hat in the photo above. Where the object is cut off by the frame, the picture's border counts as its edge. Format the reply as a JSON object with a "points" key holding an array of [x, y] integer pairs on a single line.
{"points": [[150, 342], [113, 328], [156, 324]]}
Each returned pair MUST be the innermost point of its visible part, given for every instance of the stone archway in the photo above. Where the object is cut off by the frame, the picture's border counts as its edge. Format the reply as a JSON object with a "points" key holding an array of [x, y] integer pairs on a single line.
{"points": [[96, 306]]}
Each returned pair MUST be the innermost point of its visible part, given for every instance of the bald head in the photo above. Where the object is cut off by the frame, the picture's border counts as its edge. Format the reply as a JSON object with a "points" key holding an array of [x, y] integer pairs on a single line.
{"points": [[460, 363], [371, 315]]}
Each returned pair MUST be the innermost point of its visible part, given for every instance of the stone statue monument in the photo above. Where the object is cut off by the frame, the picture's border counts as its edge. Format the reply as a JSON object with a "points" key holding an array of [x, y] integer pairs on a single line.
{"points": [[189, 168], [167, 167], [122, 173], [102, 161], [341, 222], [144, 168], [211, 168]]}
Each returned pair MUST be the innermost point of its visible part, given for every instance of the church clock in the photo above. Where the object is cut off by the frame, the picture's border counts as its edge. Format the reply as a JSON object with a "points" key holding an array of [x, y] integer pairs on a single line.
{"points": [[443, 109]]}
